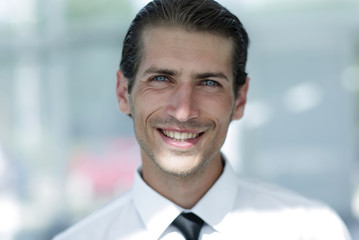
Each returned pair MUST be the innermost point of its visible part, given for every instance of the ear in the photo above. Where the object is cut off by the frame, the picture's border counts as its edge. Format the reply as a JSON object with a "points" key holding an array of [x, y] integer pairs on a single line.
{"points": [[122, 92], [240, 101]]}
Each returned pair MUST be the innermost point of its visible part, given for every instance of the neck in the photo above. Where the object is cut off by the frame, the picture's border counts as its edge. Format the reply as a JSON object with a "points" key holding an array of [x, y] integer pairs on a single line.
{"points": [[183, 191]]}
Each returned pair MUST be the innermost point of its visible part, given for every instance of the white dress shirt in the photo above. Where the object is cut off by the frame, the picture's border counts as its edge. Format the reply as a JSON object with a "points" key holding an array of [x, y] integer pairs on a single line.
{"points": [[232, 209]]}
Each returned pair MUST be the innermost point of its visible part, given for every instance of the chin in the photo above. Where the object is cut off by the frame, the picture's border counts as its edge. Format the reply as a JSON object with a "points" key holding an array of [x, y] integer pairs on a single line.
{"points": [[181, 172], [181, 166]]}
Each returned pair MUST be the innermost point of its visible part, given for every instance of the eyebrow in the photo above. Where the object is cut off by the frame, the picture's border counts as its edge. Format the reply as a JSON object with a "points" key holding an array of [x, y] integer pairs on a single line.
{"points": [[170, 72], [211, 75], [163, 71]]}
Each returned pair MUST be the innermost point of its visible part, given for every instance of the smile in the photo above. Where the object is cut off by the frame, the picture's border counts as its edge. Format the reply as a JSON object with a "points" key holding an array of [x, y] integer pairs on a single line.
{"points": [[180, 136]]}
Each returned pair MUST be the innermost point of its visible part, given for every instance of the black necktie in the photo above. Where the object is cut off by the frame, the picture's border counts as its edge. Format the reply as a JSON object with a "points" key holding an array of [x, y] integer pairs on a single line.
{"points": [[189, 224]]}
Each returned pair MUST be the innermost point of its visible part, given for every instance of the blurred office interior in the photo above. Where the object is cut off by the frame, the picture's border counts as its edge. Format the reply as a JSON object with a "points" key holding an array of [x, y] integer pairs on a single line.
{"points": [[65, 148]]}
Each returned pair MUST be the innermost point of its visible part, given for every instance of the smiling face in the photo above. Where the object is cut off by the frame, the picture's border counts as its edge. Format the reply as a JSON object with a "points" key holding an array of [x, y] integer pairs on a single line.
{"points": [[182, 100]]}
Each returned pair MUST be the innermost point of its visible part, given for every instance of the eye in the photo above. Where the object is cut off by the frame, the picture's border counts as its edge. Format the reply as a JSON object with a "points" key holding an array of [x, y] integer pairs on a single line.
{"points": [[160, 78], [210, 83]]}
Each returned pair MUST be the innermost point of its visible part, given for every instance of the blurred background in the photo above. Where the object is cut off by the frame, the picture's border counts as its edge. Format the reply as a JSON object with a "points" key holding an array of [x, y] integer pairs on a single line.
{"points": [[65, 148]]}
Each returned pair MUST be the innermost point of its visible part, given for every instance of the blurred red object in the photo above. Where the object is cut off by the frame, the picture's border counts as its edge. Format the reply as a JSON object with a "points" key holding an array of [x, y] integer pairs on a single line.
{"points": [[110, 168]]}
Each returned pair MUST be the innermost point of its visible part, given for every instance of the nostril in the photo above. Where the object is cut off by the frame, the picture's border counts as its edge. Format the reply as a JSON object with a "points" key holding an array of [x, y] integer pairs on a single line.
{"points": [[182, 105]]}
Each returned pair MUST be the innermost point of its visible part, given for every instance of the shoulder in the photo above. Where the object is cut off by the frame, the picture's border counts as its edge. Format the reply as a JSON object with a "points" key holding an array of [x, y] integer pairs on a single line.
{"points": [[99, 222], [270, 205], [274, 195]]}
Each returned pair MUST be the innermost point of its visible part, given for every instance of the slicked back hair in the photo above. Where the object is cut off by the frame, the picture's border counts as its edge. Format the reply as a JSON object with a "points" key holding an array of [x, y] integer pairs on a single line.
{"points": [[191, 15]]}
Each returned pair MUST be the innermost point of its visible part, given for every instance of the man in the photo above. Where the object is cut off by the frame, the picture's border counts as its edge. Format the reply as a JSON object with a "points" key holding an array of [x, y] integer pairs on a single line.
{"points": [[182, 80]]}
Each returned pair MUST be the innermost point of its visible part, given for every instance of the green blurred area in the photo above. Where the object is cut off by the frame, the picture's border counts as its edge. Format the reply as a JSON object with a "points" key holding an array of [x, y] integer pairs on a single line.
{"points": [[91, 9]]}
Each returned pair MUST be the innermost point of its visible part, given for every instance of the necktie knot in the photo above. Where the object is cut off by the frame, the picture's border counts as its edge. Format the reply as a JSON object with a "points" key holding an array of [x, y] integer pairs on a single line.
{"points": [[189, 224]]}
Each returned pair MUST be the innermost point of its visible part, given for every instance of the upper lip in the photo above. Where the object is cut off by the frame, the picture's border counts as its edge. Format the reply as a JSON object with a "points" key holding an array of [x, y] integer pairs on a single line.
{"points": [[180, 135], [180, 130]]}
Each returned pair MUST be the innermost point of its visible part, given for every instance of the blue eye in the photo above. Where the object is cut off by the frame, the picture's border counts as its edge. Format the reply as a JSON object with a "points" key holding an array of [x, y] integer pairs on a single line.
{"points": [[210, 83], [160, 78]]}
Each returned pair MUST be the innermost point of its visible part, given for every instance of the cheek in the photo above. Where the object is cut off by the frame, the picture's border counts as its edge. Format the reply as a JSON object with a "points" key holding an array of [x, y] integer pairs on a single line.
{"points": [[145, 107], [150, 96], [220, 107]]}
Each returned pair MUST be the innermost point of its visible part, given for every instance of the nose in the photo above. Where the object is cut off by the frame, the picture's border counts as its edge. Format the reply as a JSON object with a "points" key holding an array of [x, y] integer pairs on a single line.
{"points": [[182, 104]]}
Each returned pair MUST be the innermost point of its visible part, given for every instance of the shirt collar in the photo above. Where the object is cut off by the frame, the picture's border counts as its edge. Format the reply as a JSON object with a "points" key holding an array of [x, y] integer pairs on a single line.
{"points": [[219, 199], [157, 212]]}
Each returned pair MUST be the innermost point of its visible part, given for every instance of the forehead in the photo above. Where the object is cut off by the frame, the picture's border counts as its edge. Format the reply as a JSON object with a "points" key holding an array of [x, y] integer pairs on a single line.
{"points": [[175, 47]]}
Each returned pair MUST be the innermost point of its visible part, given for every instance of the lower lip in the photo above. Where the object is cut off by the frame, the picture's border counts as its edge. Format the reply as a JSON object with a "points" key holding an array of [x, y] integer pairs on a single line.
{"points": [[187, 144]]}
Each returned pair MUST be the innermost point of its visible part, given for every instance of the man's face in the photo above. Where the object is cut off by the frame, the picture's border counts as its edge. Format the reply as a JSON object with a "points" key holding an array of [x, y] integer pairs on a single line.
{"points": [[182, 100]]}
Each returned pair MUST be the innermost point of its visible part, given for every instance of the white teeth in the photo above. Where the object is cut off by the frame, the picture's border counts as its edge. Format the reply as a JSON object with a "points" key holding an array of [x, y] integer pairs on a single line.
{"points": [[180, 136]]}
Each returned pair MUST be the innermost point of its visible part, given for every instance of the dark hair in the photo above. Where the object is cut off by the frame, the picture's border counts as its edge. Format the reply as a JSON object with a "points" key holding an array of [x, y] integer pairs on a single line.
{"points": [[192, 15]]}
